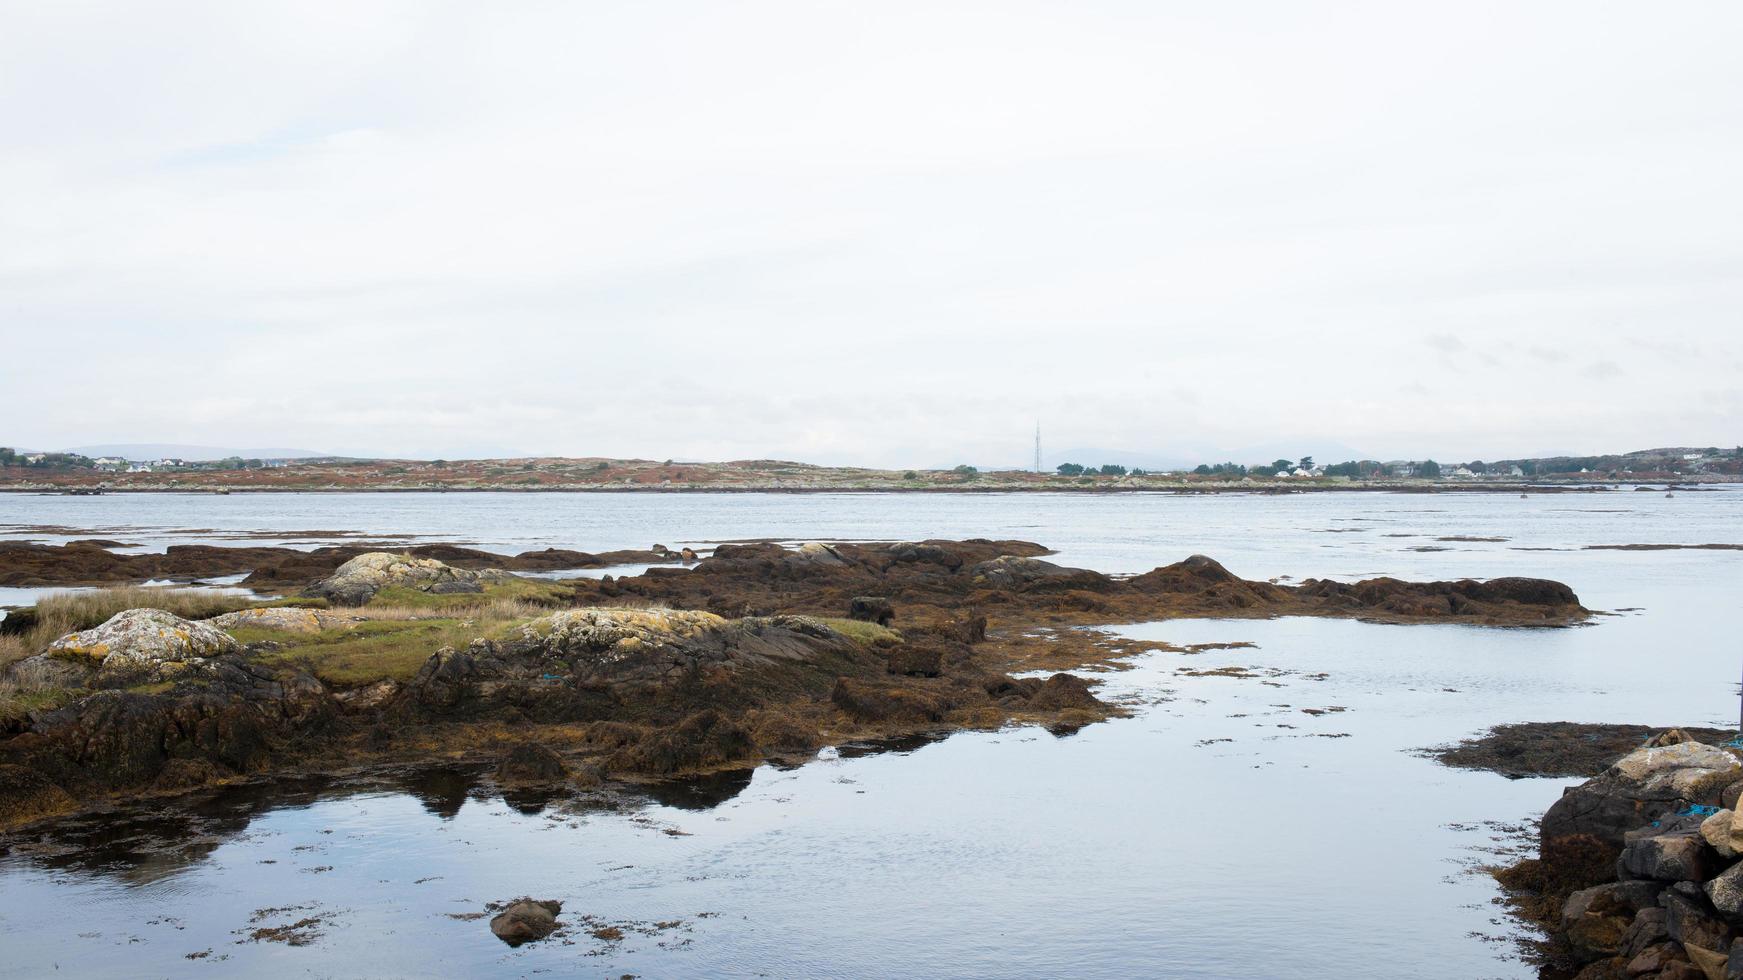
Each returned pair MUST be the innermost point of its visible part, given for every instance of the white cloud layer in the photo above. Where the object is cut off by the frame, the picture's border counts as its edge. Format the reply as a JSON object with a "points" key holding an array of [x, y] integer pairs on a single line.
{"points": [[887, 233]]}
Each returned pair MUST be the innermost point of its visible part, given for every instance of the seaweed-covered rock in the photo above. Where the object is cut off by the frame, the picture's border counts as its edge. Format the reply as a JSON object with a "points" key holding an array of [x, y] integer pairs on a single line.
{"points": [[1064, 691], [871, 609], [358, 580], [133, 647], [871, 701], [28, 795], [531, 764], [915, 660]]}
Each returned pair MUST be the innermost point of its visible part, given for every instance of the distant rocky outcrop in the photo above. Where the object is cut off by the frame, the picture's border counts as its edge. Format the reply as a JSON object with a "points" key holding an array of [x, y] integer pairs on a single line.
{"points": [[358, 580]]}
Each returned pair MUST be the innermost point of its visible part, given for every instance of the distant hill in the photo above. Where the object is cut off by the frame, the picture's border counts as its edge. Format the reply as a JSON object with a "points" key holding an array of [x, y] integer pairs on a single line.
{"points": [[167, 450]]}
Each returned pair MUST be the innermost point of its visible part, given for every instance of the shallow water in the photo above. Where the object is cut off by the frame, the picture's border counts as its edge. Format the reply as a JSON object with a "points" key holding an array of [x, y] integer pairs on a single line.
{"points": [[1222, 831]]}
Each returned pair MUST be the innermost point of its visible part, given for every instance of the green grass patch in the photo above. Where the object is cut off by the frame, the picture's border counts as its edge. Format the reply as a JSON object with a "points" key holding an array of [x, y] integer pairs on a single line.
{"points": [[862, 632], [16, 706], [536, 592], [364, 653]]}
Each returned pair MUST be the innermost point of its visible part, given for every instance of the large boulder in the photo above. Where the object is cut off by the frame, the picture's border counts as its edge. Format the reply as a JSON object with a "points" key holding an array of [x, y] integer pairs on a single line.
{"points": [[286, 619], [1643, 786], [135, 646], [358, 580], [1678, 856]]}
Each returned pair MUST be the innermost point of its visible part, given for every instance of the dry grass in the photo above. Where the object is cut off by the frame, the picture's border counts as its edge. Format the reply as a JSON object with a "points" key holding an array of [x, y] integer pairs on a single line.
{"points": [[58, 615]]}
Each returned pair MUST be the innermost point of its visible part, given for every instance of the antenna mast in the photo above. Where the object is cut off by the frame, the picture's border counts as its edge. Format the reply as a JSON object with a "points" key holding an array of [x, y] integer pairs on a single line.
{"points": [[1037, 445]]}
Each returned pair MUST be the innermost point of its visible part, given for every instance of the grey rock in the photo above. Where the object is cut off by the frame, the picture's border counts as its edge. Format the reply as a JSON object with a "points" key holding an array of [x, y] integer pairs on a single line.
{"points": [[1678, 856]]}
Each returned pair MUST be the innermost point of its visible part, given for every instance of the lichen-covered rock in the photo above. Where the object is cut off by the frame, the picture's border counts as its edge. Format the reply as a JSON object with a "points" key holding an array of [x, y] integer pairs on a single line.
{"points": [[358, 580], [134, 646], [618, 643], [288, 619]]}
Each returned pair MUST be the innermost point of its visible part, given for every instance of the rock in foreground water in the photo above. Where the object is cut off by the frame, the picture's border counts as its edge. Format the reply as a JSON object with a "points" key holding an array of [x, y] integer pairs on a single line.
{"points": [[526, 920]]}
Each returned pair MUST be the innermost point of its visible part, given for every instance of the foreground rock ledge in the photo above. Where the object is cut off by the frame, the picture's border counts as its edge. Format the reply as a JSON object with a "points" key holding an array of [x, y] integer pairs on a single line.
{"points": [[1638, 871], [674, 671]]}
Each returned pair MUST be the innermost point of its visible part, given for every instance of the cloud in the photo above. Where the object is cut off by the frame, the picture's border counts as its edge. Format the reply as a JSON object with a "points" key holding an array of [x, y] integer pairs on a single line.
{"points": [[795, 229]]}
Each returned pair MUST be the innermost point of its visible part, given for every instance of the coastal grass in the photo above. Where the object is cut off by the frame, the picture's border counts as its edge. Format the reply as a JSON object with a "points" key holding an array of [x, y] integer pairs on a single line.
{"points": [[861, 632]]}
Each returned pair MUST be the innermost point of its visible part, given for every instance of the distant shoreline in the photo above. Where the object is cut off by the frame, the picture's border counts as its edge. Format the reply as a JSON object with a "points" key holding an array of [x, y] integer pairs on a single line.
{"points": [[1159, 489]]}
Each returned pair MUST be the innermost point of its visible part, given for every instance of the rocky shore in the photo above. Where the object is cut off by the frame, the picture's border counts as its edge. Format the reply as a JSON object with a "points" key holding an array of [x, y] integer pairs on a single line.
{"points": [[1639, 870], [758, 651]]}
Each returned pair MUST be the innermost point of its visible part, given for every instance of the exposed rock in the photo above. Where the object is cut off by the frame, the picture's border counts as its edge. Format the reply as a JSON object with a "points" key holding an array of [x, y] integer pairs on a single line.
{"points": [[1010, 572], [1691, 920], [1726, 894], [1724, 833], [650, 646], [1641, 787], [1652, 959], [815, 552], [526, 920], [1647, 930], [358, 580], [871, 609], [1678, 856], [1711, 963], [531, 764], [288, 619], [1677, 757], [135, 646]]}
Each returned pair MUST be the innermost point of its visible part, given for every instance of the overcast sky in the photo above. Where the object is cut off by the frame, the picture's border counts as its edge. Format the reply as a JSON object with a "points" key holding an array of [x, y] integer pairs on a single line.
{"points": [[891, 233]]}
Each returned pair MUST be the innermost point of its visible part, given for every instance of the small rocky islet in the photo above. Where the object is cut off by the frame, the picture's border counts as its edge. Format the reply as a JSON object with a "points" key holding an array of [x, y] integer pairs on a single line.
{"points": [[757, 651]]}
